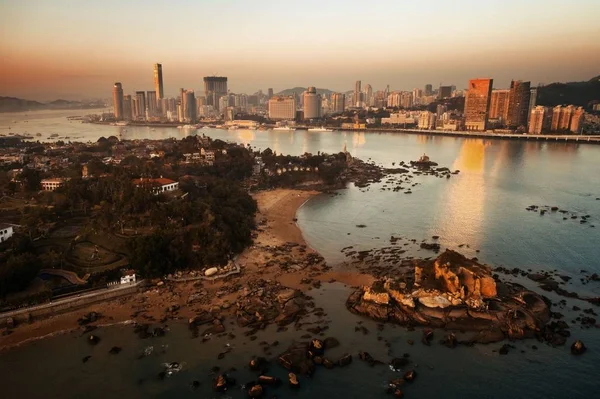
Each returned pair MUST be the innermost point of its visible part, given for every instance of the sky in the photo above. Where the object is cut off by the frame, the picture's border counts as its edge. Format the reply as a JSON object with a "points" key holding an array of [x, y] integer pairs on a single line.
{"points": [[77, 49]]}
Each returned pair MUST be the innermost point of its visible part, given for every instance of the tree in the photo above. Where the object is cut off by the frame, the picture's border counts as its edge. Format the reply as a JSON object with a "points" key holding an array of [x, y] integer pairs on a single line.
{"points": [[17, 273]]}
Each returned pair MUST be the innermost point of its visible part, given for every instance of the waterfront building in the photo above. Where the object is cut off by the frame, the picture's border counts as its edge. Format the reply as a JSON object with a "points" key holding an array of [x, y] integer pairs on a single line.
{"points": [[427, 120], [417, 94], [406, 99], [368, 95], [499, 104], [118, 101], [539, 120], [189, 109], [157, 186], [152, 104], [127, 108], [282, 108], [477, 104], [158, 81], [402, 118], [140, 97], [215, 87], [518, 103], [561, 118], [338, 103], [222, 103], [312, 104], [532, 100], [577, 119], [357, 94], [440, 110]]}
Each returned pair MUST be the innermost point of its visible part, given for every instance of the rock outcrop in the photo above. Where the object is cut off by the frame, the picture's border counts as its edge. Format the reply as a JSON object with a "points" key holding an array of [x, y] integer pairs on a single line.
{"points": [[454, 293]]}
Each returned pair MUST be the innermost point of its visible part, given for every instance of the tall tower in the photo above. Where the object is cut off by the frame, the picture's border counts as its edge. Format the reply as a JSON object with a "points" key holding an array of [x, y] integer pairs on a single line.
{"points": [[140, 97], [118, 101], [477, 104], [518, 103], [357, 93], [158, 81], [312, 104]]}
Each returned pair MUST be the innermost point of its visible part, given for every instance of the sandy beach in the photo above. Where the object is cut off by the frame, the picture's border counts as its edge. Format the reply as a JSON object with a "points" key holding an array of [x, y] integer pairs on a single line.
{"points": [[278, 240]]}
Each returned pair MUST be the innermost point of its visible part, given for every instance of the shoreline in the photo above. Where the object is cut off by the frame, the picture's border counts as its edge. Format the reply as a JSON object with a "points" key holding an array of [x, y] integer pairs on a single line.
{"points": [[275, 229]]}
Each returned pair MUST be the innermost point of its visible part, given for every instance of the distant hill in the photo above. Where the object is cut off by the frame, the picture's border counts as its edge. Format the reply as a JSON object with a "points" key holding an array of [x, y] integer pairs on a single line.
{"points": [[12, 104], [300, 90], [576, 93]]}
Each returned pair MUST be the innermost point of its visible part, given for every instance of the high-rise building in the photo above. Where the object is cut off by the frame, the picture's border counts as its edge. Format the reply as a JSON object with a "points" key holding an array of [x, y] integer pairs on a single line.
{"points": [[282, 108], [532, 100], [357, 94], [477, 104], [215, 87], [338, 103], [445, 92], [577, 120], [140, 98], [428, 89], [127, 108], [539, 120], [189, 110], [561, 118], [312, 104], [152, 104], [518, 103], [406, 99], [368, 95], [499, 104], [270, 92], [158, 81], [118, 101]]}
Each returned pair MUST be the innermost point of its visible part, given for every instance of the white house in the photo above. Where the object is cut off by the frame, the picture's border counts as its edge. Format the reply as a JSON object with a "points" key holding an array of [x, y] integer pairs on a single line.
{"points": [[53, 184], [160, 185], [127, 276], [6, 232]]}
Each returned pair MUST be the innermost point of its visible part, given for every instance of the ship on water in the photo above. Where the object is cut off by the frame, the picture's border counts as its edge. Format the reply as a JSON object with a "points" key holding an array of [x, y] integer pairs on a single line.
{"points": [[319, 129]]}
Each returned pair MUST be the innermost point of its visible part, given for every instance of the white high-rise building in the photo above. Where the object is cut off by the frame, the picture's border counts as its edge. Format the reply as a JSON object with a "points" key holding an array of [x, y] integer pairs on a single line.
{"points": [[282, 108], [312, 104]]}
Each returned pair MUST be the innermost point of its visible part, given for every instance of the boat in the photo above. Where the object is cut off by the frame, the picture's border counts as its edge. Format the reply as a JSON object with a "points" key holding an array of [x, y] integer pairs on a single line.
{"points": [[284, 128], [53, 135], [319, 129]]}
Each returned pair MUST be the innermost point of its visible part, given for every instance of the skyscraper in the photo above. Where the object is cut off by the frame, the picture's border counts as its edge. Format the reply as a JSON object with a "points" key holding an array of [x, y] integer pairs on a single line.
{"points": [[357, 93], [428, 89], [445, 92], [539, 121], [118, 101], [518, 103], [270, 92], [158, 81], [127, 108], [338, 102], [215, 87], [499, 104], [532, 100], [368, 94], [189, 110], [152, 104], [312, 104], [140, 103], [477, 104]]}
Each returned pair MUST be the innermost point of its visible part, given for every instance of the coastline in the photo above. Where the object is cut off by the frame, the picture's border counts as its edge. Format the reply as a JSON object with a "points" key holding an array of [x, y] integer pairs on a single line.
{"points": [[276, 229]]}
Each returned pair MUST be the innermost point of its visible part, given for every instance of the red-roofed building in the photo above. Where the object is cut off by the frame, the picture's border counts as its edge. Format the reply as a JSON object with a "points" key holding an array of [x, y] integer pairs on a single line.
{"points": [[160, 185]]}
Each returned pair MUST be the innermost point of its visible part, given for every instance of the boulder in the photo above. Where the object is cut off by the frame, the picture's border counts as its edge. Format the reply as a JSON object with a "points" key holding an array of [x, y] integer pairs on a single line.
{"points": [[257, 363], [295, 359], [268, 380], [410, 375], [316, 348], [435, 301], [578, 348], [211, 271], [345, 360], [328, 364], [330, 343], [93, 339], [427, 337], [255, 391], [293, 380]]}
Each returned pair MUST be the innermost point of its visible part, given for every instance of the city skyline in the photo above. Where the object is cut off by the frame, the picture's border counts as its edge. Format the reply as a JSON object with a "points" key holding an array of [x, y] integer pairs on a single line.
{"points": [[68, 50]]}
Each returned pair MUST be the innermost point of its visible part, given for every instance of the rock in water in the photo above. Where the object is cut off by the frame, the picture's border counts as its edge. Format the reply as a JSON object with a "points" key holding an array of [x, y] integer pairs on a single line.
{"points": [[93, 339], [450, 341], [427, 337], [293, 380], [115, 350], [268, 380], [316, 348], [86, 358], [578, 348], [410, 375], [330, 343], [257, 363], [345, 360], [255, 391]]}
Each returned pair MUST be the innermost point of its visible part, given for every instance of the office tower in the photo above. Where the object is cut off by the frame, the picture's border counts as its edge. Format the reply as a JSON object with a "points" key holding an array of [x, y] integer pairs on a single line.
{"points": [[282, 108], [152, 104], [499, 104], [368, 94], [428, 90], [215, 87], [577, 119], [134, 107], [357, 93], [518, 103], [539, 120], [222, 103], [118, 101], [270, 92], [477, 104], [140, 97], [532, 100], [312, 104], [338, 103], [189, 106], [445, 92], [158, 81], [127, 108], [406, 99]]}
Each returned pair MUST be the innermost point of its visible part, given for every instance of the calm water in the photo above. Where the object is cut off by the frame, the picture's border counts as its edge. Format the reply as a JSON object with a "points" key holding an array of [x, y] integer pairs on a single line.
{"points": [[484, 207]]}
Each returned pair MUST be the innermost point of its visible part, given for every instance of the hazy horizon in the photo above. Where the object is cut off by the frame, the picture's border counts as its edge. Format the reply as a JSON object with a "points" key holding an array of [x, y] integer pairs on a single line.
{"points": [[78, 49]]}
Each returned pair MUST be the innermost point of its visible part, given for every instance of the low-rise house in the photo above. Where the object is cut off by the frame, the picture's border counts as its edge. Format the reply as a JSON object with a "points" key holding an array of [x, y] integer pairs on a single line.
{"points": [[127, 276], [160, 185], [53, 183]]}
